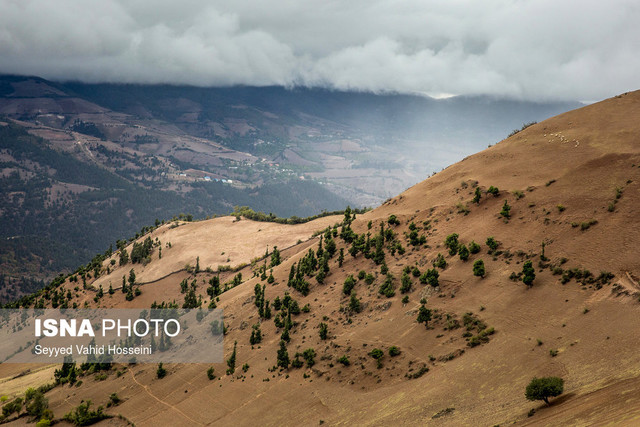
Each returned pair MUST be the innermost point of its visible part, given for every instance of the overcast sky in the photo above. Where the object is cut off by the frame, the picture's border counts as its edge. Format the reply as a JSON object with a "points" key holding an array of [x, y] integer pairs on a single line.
{"points": [[528, 49]]}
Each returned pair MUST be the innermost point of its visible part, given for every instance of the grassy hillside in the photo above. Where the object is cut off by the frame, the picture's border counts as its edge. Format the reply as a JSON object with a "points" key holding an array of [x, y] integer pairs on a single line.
{"points": [[455, 345]]}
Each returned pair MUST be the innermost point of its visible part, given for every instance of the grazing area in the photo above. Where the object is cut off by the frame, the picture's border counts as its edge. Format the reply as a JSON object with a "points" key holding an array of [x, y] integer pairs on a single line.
{"points": [[439, 307]]}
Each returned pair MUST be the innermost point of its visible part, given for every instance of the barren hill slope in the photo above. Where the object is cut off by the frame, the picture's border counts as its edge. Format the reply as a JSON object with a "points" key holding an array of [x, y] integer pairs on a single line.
{"points": [[571, 183]]}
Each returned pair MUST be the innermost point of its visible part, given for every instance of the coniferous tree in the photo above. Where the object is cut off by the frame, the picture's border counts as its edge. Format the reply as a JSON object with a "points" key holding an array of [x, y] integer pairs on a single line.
{"points": [[378, 256], [440, 262], [330, 247], [463, 252], [266, 312], [283, 356], [451, 242], [309, 356], [348, 285], [256, 335], [161, 372], [275, 257], [132, 277], [406, 283], [424, 315], [124, 256], [528, 273], [231, 361], [431, 277], [324, 330], [506, 210], [354, 303], [477, 196], [478, 268], [214, 287], [386, 288]]}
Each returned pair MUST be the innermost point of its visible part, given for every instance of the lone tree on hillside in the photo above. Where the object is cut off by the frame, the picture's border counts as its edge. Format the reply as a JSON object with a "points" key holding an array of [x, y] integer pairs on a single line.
{"points": [[463, 251], [283, 356], [506, 210], [424, 315], [477, 196], [478, 268], [451, 242], [544, 388], [528, 273]]}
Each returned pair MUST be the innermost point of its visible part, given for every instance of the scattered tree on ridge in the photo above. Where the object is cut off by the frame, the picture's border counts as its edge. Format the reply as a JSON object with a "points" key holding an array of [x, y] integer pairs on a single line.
{"points": [[544, 388], [478, 268]]}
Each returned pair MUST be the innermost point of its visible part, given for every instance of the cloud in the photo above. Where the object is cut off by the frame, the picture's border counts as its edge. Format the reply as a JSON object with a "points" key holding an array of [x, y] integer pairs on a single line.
{"points": [[529, 49]]}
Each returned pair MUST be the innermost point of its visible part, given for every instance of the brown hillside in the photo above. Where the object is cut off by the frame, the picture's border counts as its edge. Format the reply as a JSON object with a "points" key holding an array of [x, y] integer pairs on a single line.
{"points": [[571, 181]]}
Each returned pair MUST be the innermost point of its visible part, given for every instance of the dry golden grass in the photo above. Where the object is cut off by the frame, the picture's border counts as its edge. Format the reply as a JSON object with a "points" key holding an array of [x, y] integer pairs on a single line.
{"points": [[577, 159]]}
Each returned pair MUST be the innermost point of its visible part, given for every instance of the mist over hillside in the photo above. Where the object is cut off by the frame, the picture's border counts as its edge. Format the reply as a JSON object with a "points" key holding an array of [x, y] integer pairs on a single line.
{"points": [[87, 164]]}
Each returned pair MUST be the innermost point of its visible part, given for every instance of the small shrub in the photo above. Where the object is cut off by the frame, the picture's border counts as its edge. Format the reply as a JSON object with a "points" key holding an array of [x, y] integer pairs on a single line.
{"points": [[474, 248], [82, 415], [506, 210], [324, 330], [376, 353], [369, 278], [114, 400], [393, 220], [348, 285], [524, 126], [463, 252], [451, 242], [492, 243], [440, 262], [430, 276], [463, 208], [386, 288], [354, 303], [561, 208], [394, 351]]}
